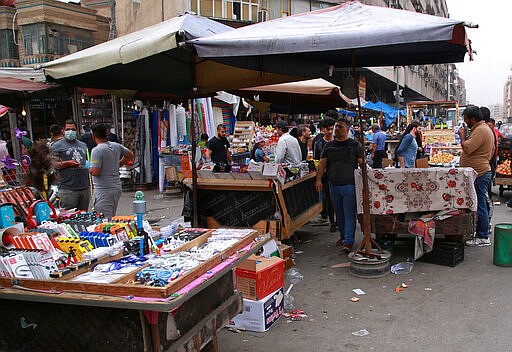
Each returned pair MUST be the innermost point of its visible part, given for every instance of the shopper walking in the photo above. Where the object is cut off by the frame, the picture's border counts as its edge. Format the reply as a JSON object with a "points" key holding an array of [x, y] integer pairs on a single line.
{"points": [[70, 157], [325, 195], [408, 147], [339, 159], [106, 158], [477, 151]]}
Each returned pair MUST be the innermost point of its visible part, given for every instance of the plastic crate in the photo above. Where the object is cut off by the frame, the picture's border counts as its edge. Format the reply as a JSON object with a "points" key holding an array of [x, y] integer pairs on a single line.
{"points": [[447, 253]]}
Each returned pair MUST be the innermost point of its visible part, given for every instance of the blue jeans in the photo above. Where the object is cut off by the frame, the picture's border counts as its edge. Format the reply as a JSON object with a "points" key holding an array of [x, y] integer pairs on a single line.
{"points": [[344, 203], [481, 188]]}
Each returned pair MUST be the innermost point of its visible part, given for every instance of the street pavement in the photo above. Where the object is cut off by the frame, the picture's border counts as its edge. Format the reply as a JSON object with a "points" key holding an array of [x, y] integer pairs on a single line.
{"points": [[465, 308]]}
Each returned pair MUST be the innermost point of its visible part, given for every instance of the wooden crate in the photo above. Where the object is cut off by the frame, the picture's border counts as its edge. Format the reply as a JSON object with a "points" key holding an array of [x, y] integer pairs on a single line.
{"points": [[242, 137], [458, 225]]}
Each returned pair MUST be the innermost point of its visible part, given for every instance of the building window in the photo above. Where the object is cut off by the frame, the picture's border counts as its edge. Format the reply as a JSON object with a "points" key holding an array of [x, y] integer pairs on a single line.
{"points": [[277, 8], [242, 10], [53, 39], [9, 50]]}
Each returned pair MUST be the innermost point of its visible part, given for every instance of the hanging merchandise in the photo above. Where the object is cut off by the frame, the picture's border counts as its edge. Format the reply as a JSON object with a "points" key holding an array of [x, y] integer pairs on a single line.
{"points": [[201, 126], [173, 130], [155, 128], [227, 117], [148, 178], [210, 123], [181, 124]]}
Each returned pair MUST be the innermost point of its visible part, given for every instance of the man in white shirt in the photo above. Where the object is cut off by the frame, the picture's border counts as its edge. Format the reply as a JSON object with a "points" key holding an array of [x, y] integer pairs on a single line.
{"points": [[288, 148]]}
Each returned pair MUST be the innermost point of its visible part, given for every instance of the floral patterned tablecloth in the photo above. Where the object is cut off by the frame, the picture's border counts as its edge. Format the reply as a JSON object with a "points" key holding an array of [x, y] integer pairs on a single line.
{"points": [[394, 191]]}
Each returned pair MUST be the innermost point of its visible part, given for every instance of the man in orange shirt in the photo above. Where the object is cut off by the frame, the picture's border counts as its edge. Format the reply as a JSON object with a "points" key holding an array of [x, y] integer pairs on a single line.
{"points": [[477, 151]]}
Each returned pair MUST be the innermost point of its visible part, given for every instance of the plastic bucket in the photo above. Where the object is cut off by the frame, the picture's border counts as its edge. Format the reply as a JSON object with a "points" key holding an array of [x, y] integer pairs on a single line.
{"points": [[503, 244]]}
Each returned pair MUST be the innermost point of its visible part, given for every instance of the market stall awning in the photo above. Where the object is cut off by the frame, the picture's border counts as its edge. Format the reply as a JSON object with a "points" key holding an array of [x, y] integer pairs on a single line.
{"points": [[389, 112], [13, 85], [3, 110], [154, 60], [314, 44], [316, 93], [26, 80]]}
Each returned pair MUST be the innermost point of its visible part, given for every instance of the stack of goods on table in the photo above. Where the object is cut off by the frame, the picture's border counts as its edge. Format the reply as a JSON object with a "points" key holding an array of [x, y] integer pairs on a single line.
{"points": [[86, 251]]}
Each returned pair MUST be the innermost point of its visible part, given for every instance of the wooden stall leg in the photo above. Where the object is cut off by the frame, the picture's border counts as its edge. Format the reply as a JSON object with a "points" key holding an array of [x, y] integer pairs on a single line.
{"points": [[143, 325]]}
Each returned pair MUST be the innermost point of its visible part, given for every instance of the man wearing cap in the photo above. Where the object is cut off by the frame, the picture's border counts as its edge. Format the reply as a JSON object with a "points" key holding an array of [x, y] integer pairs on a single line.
{"points": [[257, 153], [288, 148]]}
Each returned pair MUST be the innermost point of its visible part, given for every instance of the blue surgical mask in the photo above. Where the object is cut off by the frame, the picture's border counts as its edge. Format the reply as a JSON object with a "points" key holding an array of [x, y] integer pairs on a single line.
{"points": [[70, 135]]}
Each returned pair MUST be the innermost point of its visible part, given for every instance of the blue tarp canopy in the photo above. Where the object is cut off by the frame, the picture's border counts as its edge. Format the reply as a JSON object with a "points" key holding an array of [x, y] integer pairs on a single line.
{"points": [[389, 112], [347, 112]]}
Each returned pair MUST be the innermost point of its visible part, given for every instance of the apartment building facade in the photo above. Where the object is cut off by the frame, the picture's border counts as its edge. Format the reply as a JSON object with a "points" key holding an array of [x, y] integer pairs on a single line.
{"points": [[507, 99], [38, 31]]}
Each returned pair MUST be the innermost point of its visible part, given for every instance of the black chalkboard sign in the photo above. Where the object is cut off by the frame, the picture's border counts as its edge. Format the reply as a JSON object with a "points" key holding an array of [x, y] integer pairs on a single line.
{"points": [[300, 197], [235, 208]]}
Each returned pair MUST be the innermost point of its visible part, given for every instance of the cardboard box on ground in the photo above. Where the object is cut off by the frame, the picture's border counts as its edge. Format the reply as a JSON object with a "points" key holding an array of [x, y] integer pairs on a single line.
{"points": [[257, 277], [261, 281], [260, 315]]}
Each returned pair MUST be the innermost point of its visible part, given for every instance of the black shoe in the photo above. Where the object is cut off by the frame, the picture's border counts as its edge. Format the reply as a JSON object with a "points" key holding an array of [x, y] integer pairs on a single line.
{"points": [[333, 228]]}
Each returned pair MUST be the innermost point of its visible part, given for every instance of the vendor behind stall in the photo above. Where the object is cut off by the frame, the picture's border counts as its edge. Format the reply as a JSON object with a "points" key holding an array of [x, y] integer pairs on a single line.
{"points": [[218, 147], [257, 153], [288, 148], [304, 135]]}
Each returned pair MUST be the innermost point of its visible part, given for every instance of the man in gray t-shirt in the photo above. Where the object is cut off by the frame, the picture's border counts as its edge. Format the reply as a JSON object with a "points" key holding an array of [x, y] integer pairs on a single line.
{"points": [[71, 155], [106, 158]]}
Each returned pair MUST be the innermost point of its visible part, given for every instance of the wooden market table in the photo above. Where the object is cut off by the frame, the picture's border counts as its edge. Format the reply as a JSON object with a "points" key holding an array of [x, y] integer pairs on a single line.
{"points": [[57, 319], [399, 195], [254, 203]]}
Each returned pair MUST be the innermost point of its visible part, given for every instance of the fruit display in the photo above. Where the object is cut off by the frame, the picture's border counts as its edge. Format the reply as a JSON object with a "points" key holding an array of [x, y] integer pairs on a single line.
{"points": [[503, 169], [441, 158]]}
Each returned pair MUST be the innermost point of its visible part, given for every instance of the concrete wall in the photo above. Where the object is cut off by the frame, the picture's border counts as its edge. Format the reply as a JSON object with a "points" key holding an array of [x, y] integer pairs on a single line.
{"points": [[132, 15]]}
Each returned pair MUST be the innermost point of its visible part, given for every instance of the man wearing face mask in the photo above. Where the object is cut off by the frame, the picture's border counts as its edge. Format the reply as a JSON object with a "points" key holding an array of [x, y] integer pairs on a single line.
{"points": [[71, 156]]}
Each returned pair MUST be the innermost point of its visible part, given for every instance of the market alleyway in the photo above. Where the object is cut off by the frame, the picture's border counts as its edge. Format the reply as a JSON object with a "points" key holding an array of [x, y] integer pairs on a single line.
{"points": [[465, 308]]}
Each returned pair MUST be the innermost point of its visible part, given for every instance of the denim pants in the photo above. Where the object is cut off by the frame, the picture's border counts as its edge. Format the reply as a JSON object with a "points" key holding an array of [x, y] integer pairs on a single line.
{"points": [[325, 196], [481, 188], [344, 203]]}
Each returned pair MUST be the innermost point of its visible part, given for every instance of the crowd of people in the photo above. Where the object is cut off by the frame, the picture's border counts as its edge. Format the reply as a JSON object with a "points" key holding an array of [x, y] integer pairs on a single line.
{"points": [[92, 156], [338, 149]]}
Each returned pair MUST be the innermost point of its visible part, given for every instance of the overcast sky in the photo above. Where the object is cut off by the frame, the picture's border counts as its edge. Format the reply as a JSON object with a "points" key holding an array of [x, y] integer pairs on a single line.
{"points": [[487, 74]]}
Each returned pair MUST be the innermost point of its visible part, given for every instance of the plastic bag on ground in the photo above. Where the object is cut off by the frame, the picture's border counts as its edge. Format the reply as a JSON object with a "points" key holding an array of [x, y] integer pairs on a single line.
{"points": [[402, 268], [293, 276]]}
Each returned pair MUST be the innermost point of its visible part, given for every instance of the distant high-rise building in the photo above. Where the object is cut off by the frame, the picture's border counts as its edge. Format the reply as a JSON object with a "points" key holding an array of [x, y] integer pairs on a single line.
{"points": [[496, 111], [507, 98]]}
